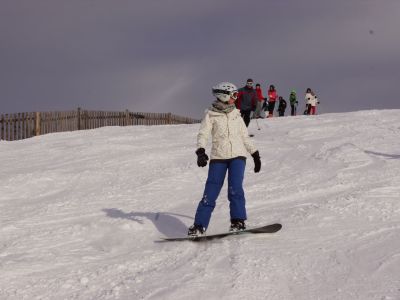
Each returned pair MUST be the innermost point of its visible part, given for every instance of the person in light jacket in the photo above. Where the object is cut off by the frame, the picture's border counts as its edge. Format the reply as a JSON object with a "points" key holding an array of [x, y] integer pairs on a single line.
{"points": [[230, 146], [311, 102]]}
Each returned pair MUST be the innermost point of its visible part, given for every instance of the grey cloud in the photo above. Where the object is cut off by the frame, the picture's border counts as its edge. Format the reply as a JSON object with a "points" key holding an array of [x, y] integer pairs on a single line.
{"points": [[165, 55]]}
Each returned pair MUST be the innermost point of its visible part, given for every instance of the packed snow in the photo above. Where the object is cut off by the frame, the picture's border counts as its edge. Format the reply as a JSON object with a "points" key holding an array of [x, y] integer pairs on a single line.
{"points": [[81, 214]]}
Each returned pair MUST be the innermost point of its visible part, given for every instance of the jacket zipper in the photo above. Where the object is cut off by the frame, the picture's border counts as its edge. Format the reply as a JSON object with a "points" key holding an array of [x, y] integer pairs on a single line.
{"points": [[229, 133]]}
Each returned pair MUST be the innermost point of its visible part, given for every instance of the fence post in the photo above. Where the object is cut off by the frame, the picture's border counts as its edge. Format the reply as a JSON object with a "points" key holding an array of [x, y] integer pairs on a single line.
{"points": [[169, 118], [2, 135], [37, 123], [86, 119], [78, 118], [127, 118]]}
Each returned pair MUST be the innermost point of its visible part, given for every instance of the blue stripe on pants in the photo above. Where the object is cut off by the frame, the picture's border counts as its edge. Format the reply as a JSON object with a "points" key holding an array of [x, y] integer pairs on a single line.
{"points": [[215, 181]]}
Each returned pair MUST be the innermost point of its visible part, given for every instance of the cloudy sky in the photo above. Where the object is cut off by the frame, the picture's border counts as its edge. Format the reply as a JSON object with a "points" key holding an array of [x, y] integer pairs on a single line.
{"points": [[165, 55]]}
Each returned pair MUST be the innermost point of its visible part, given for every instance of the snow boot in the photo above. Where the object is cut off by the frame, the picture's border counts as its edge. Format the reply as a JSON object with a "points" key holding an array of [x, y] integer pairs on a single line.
{"points": [[196, 230], [237, 225]]}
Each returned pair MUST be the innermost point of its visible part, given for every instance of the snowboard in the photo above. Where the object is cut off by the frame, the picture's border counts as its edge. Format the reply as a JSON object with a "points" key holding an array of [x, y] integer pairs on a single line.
{"points": [[272, 228]]}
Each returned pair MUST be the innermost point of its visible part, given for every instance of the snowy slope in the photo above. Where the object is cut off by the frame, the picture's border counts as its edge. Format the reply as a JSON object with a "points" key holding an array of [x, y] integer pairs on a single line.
{"points": [[81, 211]]}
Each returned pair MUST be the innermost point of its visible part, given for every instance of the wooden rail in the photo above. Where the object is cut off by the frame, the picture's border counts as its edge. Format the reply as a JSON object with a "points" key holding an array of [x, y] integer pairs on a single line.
{"points": [[20, 126]]}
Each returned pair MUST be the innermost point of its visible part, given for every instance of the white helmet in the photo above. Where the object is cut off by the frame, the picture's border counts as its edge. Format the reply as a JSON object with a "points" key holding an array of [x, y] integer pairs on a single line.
{"points": [[224, 91]]}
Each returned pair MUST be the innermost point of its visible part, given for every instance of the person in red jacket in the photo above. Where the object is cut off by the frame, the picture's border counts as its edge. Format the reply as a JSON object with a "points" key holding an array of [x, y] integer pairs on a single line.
{"points": [[260, 101], [272, 96]]}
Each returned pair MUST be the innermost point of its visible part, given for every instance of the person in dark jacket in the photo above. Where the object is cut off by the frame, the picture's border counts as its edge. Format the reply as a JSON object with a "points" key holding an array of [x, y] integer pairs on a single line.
{"points": [[247, 101], [293, 102], [282, 107]]}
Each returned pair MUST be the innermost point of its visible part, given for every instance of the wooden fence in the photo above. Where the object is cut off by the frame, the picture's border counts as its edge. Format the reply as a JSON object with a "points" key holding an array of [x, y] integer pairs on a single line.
{"points": [[20, 126]]}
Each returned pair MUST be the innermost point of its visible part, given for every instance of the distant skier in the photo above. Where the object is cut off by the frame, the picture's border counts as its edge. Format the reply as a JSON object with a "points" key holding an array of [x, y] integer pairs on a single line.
{"points": [[230, 145], [282, 107], [293, 103], [272, 97], [259, 113], [247, 101], [311, 102], [265, 105]]}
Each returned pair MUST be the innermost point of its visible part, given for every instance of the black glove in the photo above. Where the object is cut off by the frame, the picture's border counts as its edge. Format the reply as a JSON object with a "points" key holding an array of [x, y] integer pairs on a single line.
{"points": [[202, 157], [257, 161]]}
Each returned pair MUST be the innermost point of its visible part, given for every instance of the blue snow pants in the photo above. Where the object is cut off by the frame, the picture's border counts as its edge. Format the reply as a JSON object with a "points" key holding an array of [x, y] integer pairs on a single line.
{"points": [[216, 176]]}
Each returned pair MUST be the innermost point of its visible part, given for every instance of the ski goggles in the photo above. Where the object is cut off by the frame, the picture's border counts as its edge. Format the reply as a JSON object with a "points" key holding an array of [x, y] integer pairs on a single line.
{"points": [[233, 94]]}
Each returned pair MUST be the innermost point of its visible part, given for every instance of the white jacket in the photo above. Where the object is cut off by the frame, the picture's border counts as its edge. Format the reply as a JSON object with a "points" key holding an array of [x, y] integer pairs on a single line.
{"points": [[311, 99], [230, 137]]}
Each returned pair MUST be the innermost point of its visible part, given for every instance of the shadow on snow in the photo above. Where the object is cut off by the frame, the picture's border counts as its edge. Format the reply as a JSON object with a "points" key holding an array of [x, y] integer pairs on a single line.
{"points": [[166, 223]]}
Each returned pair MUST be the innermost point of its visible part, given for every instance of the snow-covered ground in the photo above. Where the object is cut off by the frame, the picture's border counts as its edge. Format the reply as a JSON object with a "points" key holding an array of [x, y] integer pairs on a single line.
{"points": [[81, 211]]}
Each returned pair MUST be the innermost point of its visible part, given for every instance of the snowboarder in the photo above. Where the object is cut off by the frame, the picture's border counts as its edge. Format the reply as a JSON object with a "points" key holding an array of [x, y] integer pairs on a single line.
{"points": [[230, 144], [282, 106], [311, 102], [293, 103], [246, 101], [272, 96]]}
